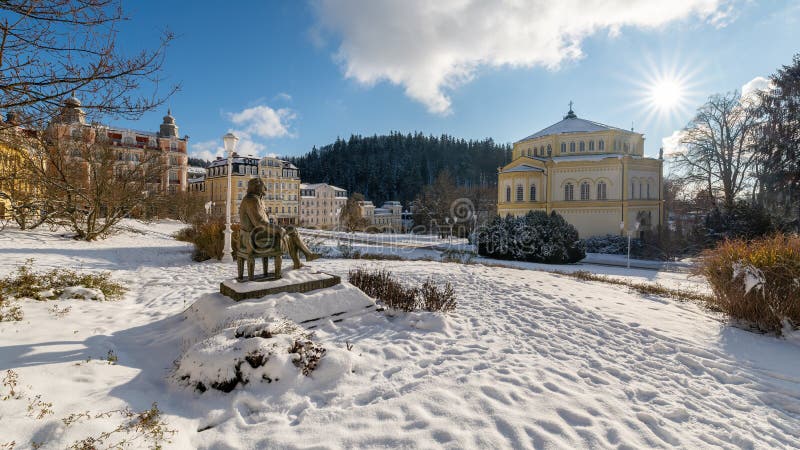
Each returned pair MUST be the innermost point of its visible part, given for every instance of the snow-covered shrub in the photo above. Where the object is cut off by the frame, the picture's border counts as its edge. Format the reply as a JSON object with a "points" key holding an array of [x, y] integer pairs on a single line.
{"points": [[611, 244], [258, 350], [59, 283], [535, 237], [379, 284], [756, 282]]}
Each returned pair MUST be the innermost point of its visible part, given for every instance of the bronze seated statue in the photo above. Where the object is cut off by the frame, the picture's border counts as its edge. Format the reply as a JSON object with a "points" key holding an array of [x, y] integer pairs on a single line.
{"points": [[259, 238]]}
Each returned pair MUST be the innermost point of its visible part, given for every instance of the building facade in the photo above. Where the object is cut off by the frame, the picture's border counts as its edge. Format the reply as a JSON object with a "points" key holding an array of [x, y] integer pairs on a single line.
{"points": [[281, 178], [594, 175], [321, 204], [389, 217], [130, 145]]}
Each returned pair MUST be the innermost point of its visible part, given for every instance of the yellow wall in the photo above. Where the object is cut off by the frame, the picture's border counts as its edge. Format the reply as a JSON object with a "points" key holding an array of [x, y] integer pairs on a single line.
{"points": [[594, 216]]}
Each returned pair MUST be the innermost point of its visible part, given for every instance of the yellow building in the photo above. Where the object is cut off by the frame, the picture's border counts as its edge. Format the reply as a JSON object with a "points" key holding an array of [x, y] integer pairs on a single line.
{"points": [[15, 184], [594, 175], [281, 178]]}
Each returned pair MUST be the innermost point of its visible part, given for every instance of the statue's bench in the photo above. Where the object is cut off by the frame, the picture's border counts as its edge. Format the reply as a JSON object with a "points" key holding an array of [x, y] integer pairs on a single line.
{"points": [[258, 244]]}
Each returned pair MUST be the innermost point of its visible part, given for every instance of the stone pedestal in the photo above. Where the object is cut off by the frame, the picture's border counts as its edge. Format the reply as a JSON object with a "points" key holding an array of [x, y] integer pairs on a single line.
{"points": [[304, 279]]}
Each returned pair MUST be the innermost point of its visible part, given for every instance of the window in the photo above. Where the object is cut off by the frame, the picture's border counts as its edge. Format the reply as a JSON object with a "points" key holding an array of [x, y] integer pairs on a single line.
{"points": [[633, 190], [569, 192], [627, 147], [585, 191], [508, 193], [239, 183], [591, 146], [601, 145], [572, 147], [582, 147], [549, 150], [529, 152], [533, 193], [640, 190], [563, 147], [648, 190], [519, 193], [601, 190]]}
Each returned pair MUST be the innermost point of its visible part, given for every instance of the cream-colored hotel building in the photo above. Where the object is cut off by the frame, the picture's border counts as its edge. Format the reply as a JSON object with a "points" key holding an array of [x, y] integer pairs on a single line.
{"points": [[594, 175]]}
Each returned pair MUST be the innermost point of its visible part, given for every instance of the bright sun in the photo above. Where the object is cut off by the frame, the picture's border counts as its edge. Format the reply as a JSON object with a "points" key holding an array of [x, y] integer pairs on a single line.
{"points": [[666, 94]]}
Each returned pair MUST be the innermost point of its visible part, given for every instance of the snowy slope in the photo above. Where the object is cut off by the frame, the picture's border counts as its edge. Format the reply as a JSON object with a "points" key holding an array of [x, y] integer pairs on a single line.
{"points": [[528, 360]]}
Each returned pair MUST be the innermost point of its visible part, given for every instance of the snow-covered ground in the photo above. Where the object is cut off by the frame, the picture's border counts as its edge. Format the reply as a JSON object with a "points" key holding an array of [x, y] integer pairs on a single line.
{"points": [[529, 359]]}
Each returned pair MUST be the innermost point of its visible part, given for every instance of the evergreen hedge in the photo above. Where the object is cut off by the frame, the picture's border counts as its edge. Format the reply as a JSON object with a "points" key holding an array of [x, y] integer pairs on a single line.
{"points": [[534, 237]]}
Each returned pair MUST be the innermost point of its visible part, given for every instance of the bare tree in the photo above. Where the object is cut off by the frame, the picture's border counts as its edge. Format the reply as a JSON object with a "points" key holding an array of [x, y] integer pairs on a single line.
{"points": [[88, 184], [718, 154], [50, 48], [350, 217]]}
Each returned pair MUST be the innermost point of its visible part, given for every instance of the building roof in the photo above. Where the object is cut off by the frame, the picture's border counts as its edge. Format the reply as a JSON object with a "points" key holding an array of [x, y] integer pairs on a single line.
{"points": [[319, 185], [572, 124], [236, 160], [524, 168]]}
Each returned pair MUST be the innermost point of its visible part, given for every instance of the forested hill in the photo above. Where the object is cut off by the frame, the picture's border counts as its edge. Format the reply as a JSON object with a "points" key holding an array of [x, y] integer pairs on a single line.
{"points": [[397, 166]]}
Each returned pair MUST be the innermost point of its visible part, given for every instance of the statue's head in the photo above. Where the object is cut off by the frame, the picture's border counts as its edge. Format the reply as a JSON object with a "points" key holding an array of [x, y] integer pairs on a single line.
{"points": [[256, 187]]}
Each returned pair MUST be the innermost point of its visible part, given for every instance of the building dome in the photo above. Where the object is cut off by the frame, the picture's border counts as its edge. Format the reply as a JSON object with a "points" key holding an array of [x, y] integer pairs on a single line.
{"points": [[72, 102], [168, 119], [168, 127]]}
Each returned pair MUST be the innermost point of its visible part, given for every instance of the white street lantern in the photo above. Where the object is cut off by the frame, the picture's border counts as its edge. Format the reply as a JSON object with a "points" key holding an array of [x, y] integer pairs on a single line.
{"points": [[229, 140]]}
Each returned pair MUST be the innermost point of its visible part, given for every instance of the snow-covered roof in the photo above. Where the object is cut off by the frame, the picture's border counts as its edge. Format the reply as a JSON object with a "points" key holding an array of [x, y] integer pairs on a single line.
{"points": [[249, 160], [319, 185], [572, 124], [524, 168]]}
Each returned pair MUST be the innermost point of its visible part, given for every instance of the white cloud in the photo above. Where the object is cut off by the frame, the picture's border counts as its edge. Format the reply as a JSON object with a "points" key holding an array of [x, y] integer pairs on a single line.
{"points": [[283, 97], [250, 125], [264, 121], [757, 84], [672, 144], [432, 47], [207, 150]]}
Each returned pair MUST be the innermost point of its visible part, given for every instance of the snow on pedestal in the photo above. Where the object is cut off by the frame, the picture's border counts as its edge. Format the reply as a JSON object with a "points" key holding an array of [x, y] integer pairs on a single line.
{"points": [[304, 279]]}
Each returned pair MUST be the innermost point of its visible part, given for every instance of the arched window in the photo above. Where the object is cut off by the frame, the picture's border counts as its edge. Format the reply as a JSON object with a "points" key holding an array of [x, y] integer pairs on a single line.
{"points": [[569, 192], [640, 190], [582, 146], [648, 190], [533, 193], [520, 191], [563, 147], [627, 147], [601, 145], [508, 193], [601, 190], [633, 189], [541, 151], [591, 146], [585, 191], [549, 150], [572, 147]]}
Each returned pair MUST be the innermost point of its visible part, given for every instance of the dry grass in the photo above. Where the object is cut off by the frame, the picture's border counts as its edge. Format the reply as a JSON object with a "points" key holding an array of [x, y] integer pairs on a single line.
{"points": [[756, 282], [208, 238], [640, 287], [379, 284], [25, 282]]}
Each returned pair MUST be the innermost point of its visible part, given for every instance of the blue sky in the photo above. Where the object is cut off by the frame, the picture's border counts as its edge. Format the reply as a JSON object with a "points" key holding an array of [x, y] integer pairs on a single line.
{"points": [[287, 75]]}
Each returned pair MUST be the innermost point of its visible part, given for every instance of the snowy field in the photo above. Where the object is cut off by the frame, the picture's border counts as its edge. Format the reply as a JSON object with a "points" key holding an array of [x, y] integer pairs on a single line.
{"points": [[528, 360]]}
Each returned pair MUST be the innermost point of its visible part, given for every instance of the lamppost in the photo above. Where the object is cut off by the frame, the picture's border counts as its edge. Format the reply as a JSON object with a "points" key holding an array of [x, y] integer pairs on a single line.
{"points": [[229, 140]]}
